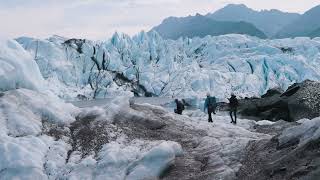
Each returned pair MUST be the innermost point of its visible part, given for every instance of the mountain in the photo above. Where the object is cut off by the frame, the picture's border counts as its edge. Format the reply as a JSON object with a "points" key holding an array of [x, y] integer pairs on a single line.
{"points": [[200, 26], [303, 26], [268, 21], [315, 33]]}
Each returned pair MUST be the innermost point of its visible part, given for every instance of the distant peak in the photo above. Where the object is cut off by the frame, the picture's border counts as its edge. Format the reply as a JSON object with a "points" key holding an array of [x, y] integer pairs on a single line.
{"points": [[169, 19], [236, 6], [242, 7], [313, 10]]}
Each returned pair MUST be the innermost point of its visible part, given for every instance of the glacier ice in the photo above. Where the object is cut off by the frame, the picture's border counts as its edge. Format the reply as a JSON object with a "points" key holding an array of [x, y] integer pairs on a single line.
{"points": [[146, 64], [17, 68], [29, 151], [155, 161], [23, 146], [308, 130]]}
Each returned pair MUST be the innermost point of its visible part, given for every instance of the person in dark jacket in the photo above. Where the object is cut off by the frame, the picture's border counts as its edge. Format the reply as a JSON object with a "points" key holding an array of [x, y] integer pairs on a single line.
{"points": [[233, 105], [210, 105], [180, 107]]}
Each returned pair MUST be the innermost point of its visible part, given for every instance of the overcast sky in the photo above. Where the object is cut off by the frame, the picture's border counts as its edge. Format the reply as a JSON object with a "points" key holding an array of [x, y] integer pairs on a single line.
{"points": [[98, 19]]}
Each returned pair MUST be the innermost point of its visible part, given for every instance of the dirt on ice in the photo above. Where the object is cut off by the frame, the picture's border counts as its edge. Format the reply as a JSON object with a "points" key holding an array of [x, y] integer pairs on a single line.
{"points": [[211, 151]]}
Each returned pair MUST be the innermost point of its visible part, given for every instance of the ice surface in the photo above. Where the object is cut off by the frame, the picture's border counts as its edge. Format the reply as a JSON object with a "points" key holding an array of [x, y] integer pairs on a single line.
{"points": [[22, 157], [225, 143], [23, 146], [17, 68], [155, 161], [24, 110], [307, 131], [28, 151]]}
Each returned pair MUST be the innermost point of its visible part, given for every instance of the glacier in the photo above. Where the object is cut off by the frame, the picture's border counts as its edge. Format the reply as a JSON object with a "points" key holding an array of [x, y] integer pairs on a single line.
{"points": [[148, 65], [18, 69], [36, 135], [40, 134], [36, 142]]}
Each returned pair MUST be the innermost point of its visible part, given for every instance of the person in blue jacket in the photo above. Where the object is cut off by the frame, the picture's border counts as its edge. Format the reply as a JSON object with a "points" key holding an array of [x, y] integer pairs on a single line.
{"points": [[210, 104]]}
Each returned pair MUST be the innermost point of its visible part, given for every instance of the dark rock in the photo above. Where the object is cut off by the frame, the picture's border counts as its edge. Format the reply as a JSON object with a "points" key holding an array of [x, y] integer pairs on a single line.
{"points": [[223, 106], [88, 134], [82, 97], [271, 107], [301, 100], [272, 92], [76, 43], [291, 90], [286, 49], [54, 130], [143, 122], [305, 103]]}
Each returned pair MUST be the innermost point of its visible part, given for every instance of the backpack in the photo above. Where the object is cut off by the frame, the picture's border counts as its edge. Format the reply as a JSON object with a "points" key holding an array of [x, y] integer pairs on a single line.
{"points": [[180, 105], [234, 102], [212, 101]]}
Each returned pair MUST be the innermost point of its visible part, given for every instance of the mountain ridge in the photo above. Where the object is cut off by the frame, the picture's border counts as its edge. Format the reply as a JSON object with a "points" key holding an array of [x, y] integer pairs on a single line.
{"points": [[303, 26], [200, 26], [268, 21]]}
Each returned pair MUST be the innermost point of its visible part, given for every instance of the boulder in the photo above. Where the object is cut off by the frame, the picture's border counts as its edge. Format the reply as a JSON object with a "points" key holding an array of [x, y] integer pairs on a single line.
{"points": [[301, 100], [304, 101]]}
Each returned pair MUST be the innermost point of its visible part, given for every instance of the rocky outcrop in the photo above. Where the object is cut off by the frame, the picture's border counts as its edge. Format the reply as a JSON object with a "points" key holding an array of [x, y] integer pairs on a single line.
{"points": [[301, 100]]}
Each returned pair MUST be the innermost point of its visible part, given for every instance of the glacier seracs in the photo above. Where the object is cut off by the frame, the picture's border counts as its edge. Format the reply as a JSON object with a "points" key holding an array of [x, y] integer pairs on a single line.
{"points": [[148, 65], [35, 130]]}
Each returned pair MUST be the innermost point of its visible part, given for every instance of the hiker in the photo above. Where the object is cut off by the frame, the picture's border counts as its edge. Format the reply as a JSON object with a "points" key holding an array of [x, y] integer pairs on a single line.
{"points": [[210, 104], [180, 107], [233, 105]]}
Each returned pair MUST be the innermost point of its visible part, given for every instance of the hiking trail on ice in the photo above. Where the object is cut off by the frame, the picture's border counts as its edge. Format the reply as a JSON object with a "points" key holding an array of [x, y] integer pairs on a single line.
{"points": [[210, 151]]}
